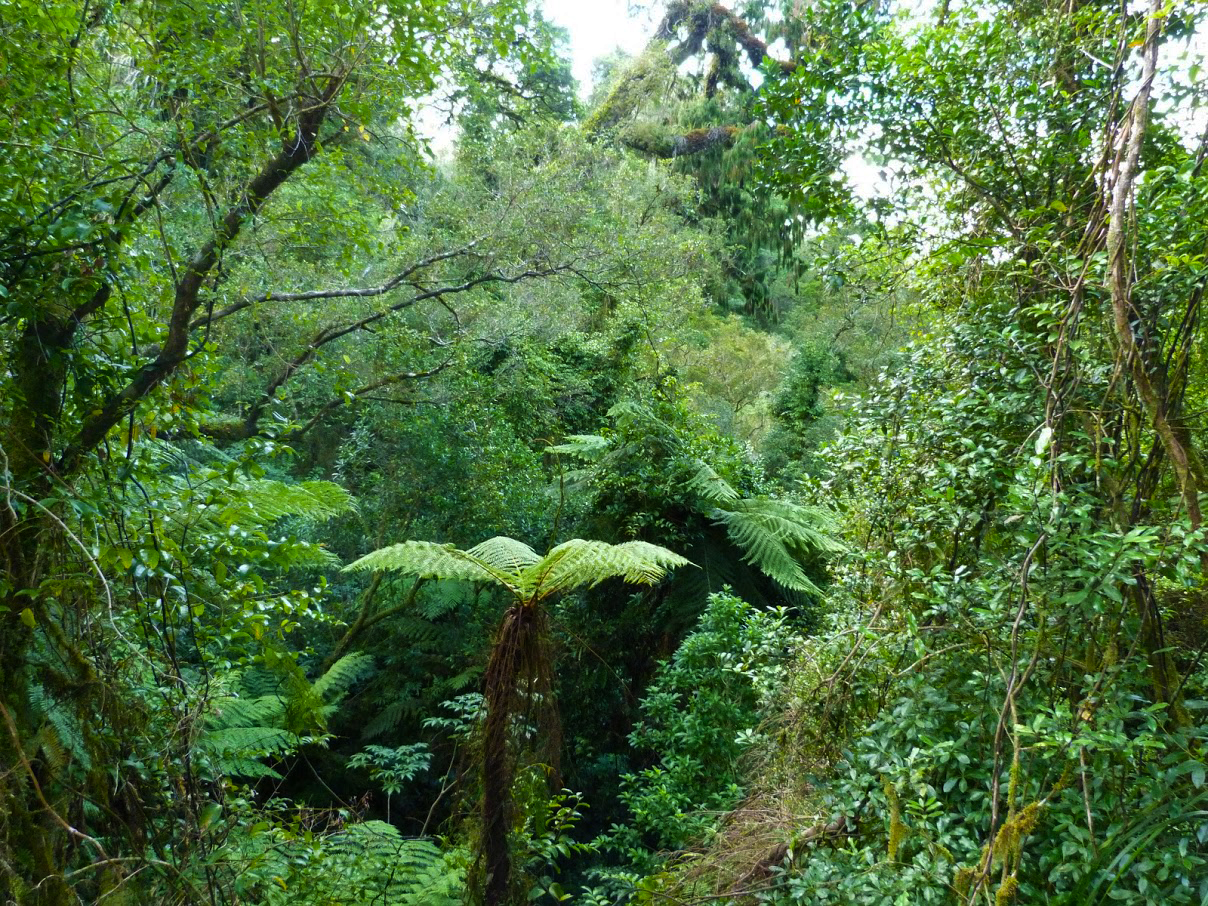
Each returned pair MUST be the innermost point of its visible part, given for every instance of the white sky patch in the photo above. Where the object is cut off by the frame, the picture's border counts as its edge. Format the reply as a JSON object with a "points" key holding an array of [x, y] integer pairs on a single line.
{"points": [[599, 27]]}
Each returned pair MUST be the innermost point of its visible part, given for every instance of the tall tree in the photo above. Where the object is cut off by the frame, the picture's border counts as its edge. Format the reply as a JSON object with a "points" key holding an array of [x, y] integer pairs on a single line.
{"points": [[145, 144]]}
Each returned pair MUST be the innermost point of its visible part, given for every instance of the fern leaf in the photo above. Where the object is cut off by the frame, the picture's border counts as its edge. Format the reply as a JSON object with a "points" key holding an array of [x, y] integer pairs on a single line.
{"points": [[266, 502], [332, 685], [504, 554], [254, 741], [775, 535], [429, 560], [578, 563], [264, 710], [711, 486], [584, 446]]}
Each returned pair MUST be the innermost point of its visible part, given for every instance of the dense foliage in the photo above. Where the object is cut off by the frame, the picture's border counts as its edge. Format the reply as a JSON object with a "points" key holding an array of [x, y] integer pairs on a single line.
{"points": [[872, 506]]}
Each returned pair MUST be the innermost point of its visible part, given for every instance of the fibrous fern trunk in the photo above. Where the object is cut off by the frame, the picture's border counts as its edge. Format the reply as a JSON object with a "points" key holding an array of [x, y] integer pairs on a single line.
{"points": [[518, 686]]}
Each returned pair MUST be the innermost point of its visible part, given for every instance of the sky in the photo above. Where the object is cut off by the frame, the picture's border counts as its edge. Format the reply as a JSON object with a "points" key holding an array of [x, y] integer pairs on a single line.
{"points": [[597, 27]]}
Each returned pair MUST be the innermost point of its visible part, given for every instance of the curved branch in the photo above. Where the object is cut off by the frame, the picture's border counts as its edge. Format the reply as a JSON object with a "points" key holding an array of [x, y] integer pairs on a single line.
{"points": [[367, 292], [329, 335], [297, 150]]}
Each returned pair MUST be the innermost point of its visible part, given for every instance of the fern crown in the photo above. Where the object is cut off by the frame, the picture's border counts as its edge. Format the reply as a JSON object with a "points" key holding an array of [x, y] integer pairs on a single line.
{"points": [[518, 568]]}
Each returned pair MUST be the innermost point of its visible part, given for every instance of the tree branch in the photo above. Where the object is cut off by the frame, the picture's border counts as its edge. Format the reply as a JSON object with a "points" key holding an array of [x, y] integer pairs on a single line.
{"points": [[296, 151], [331, 334], [366, 292], [697, 141], [1152, 386]]}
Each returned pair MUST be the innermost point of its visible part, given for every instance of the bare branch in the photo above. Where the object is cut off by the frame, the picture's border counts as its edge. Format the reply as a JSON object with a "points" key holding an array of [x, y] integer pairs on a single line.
{"points": [[296, 151], [366, 292]]}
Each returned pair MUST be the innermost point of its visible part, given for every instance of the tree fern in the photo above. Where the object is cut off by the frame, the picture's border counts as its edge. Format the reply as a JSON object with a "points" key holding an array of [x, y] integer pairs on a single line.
{"points": [[507, 555], [266, 502], [711, 487], [589, 447], [333, 684], [519, 670], [776, 536], [578, 563]]}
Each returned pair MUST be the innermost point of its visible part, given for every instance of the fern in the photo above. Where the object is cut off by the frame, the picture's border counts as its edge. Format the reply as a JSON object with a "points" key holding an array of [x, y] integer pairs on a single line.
{"points": [[588, 447], [363, 863], [578, 563], [775, 535], [271, 715], [428, 560], [506, 555], [520, 658], [265, 502], [342, 674], [61, 737], [710, 486]]}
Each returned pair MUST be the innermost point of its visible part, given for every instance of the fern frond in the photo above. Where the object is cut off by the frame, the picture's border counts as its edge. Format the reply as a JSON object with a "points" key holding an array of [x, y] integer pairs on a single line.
{"points": [[578, 563], [304, 555], [262, 711], [775, 535], [247, 768], [585, 446], [711, 486], [248, 741], [63, 736], [343, 673], [504, 554], [429, 560], [808, 528], [266, 502], [391, 716]]}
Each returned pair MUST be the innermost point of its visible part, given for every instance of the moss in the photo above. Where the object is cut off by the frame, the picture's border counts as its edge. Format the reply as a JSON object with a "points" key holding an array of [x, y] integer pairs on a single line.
{"points": [[897, 830], [1006, 891]]}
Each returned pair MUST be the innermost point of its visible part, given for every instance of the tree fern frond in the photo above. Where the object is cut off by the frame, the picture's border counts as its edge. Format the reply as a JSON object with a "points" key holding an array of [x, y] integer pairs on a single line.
{"points": [[230, 711], [440, 599], [342, 674], [771, 541], [578, 563], [711, 486], [304, 555], [504, 554], [391, 716], [809, 528], [266, 502], [248, 742], [429, 560], [246, 767], [585, 446]]}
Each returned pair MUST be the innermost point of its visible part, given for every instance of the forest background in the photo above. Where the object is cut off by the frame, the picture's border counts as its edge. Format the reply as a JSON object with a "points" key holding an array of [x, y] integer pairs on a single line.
{"points": [[619, 508]]}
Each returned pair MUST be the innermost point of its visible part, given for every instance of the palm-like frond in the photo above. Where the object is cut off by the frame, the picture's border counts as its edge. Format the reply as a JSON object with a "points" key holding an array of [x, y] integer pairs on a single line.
{"points": [[505, 554], [776, 534], [584, 446], [712, 487], [429, 560], [342, 674], [266, 502], [578, 563]]}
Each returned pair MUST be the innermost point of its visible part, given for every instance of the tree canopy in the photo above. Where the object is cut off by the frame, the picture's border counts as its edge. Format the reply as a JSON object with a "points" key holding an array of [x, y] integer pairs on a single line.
{"points": [[846, 359]]}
